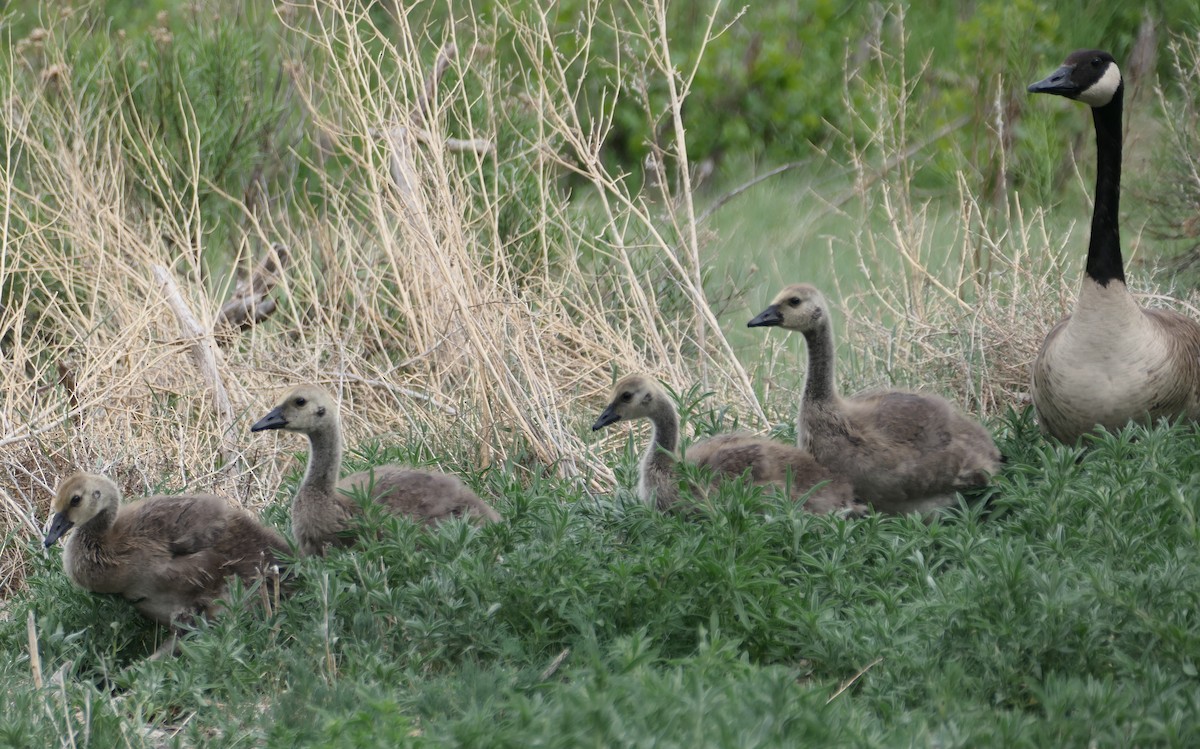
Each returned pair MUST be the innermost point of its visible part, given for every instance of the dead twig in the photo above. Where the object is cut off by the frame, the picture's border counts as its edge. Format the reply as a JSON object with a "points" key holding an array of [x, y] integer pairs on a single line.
{"points": [[850, 682], [35, 659], [204, 354], [395, 389], [401, 137], [554, 664]]}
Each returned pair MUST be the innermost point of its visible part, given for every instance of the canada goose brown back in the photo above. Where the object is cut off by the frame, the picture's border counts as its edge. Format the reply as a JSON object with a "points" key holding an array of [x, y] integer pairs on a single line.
{"points": [[1111, 361], [904, 452], [169, 555], [324, 506], [766, 461]]}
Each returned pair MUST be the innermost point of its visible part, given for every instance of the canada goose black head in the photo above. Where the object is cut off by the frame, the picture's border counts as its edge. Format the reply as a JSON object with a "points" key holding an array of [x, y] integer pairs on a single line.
{"points": [[1088, 75], [634, 397], [305, 409], [800, 307], [80, 498]]}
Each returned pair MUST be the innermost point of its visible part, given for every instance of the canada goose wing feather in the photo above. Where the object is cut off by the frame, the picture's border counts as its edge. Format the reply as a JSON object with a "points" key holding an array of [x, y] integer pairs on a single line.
{"points": [[771, 462], [904, 419], [199, 540], [183, 524], [426, 496]]}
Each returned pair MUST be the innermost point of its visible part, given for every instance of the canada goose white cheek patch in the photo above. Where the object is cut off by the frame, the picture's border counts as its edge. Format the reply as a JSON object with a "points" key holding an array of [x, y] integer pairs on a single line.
{"points": [[1102, 91]]}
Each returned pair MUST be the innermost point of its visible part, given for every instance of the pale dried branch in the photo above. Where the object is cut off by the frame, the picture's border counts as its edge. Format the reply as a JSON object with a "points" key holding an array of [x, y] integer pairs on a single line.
{"points": [[204, 352], [850, 682], [446, 55], [35, 658]]}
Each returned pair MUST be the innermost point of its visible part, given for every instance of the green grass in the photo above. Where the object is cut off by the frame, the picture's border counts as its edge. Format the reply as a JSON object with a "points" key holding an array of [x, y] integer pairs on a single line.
{"points": [[1063, 613]]}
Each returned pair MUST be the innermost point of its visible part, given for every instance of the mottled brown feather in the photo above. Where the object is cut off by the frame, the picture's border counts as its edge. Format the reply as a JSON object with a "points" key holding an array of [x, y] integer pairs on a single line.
{"points": [[324, 507], [170, 556], [783, 467], [902, 452]]}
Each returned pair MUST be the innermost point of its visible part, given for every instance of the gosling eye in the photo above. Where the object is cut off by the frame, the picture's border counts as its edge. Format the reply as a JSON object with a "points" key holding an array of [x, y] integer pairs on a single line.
{"points": [[300, 402], [626, 397], [794, 301], [76, 499]]}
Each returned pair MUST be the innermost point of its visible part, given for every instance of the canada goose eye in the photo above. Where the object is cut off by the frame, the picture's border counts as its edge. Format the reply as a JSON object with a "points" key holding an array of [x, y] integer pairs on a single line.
{"points": [[300, 402], [1097, 62], [76, 499], [794, 301], [626, 397]]}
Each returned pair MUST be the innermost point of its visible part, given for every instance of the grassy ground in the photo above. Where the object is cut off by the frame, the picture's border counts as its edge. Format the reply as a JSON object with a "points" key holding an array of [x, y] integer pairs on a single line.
{"points": [[1063, 613], [470, 304]]}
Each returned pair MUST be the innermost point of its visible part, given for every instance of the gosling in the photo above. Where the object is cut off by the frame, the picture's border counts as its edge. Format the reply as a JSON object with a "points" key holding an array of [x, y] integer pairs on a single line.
{"points": [[171, 556], [767, 461], [904, 452], [324, 507]]}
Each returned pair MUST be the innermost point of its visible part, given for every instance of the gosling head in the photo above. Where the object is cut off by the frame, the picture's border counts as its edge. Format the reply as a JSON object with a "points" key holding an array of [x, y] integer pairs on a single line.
{"points": [[80, 498], [1087, 75], [634, 397], [800, 307], [305, 409]]}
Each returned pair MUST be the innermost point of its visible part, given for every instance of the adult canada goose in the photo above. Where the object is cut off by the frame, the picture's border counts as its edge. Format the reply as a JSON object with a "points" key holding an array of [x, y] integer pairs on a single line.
{"points": [[324, 507], [1111, 361], [169, 555], [769, 462], [903, 452]]}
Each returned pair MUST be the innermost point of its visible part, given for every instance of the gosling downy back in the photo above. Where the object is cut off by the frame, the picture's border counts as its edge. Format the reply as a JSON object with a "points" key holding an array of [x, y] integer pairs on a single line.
{"points": [[168, 555], [1111, 361], [324, 507], [903, 452], [767, 462]]}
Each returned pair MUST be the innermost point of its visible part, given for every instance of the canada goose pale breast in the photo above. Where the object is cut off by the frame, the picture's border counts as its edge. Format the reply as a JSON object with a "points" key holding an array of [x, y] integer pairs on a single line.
{"points": [[1111, 361], [767, 462], [324, 506], [169, 555], [903, 452]]}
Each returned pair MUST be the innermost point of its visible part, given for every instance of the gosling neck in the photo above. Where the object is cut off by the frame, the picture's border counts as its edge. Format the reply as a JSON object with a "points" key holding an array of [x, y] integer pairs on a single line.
{"points": [[99, 523], [665, 436], [324, 460], [818, 383], [1104, 263]]}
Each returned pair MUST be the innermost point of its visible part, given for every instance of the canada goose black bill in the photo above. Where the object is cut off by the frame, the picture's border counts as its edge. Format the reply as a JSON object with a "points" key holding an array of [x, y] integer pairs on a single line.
{"points": [[1059, 82], [273, 420], [768, 318], [608, 416], [1087, 75], [59, 525]]}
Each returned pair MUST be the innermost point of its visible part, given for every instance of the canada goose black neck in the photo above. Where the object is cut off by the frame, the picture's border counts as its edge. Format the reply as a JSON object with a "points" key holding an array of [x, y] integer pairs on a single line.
{"points": [[1104, 263], [1091, 76]]}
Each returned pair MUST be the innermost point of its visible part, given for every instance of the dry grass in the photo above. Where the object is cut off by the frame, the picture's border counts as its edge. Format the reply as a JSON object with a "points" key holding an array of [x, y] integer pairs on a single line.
{"points": [[391, 299], [403, 295]]}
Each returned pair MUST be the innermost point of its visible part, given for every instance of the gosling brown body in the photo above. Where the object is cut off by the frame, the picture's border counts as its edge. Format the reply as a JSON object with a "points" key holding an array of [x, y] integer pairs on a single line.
{"points": [[904, 452], [170, 556], [325, 507], [767, 462]]}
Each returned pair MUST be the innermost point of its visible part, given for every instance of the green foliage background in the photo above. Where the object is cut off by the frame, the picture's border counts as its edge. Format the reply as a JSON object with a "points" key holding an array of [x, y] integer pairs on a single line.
{"points": [[1063, 613]]}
